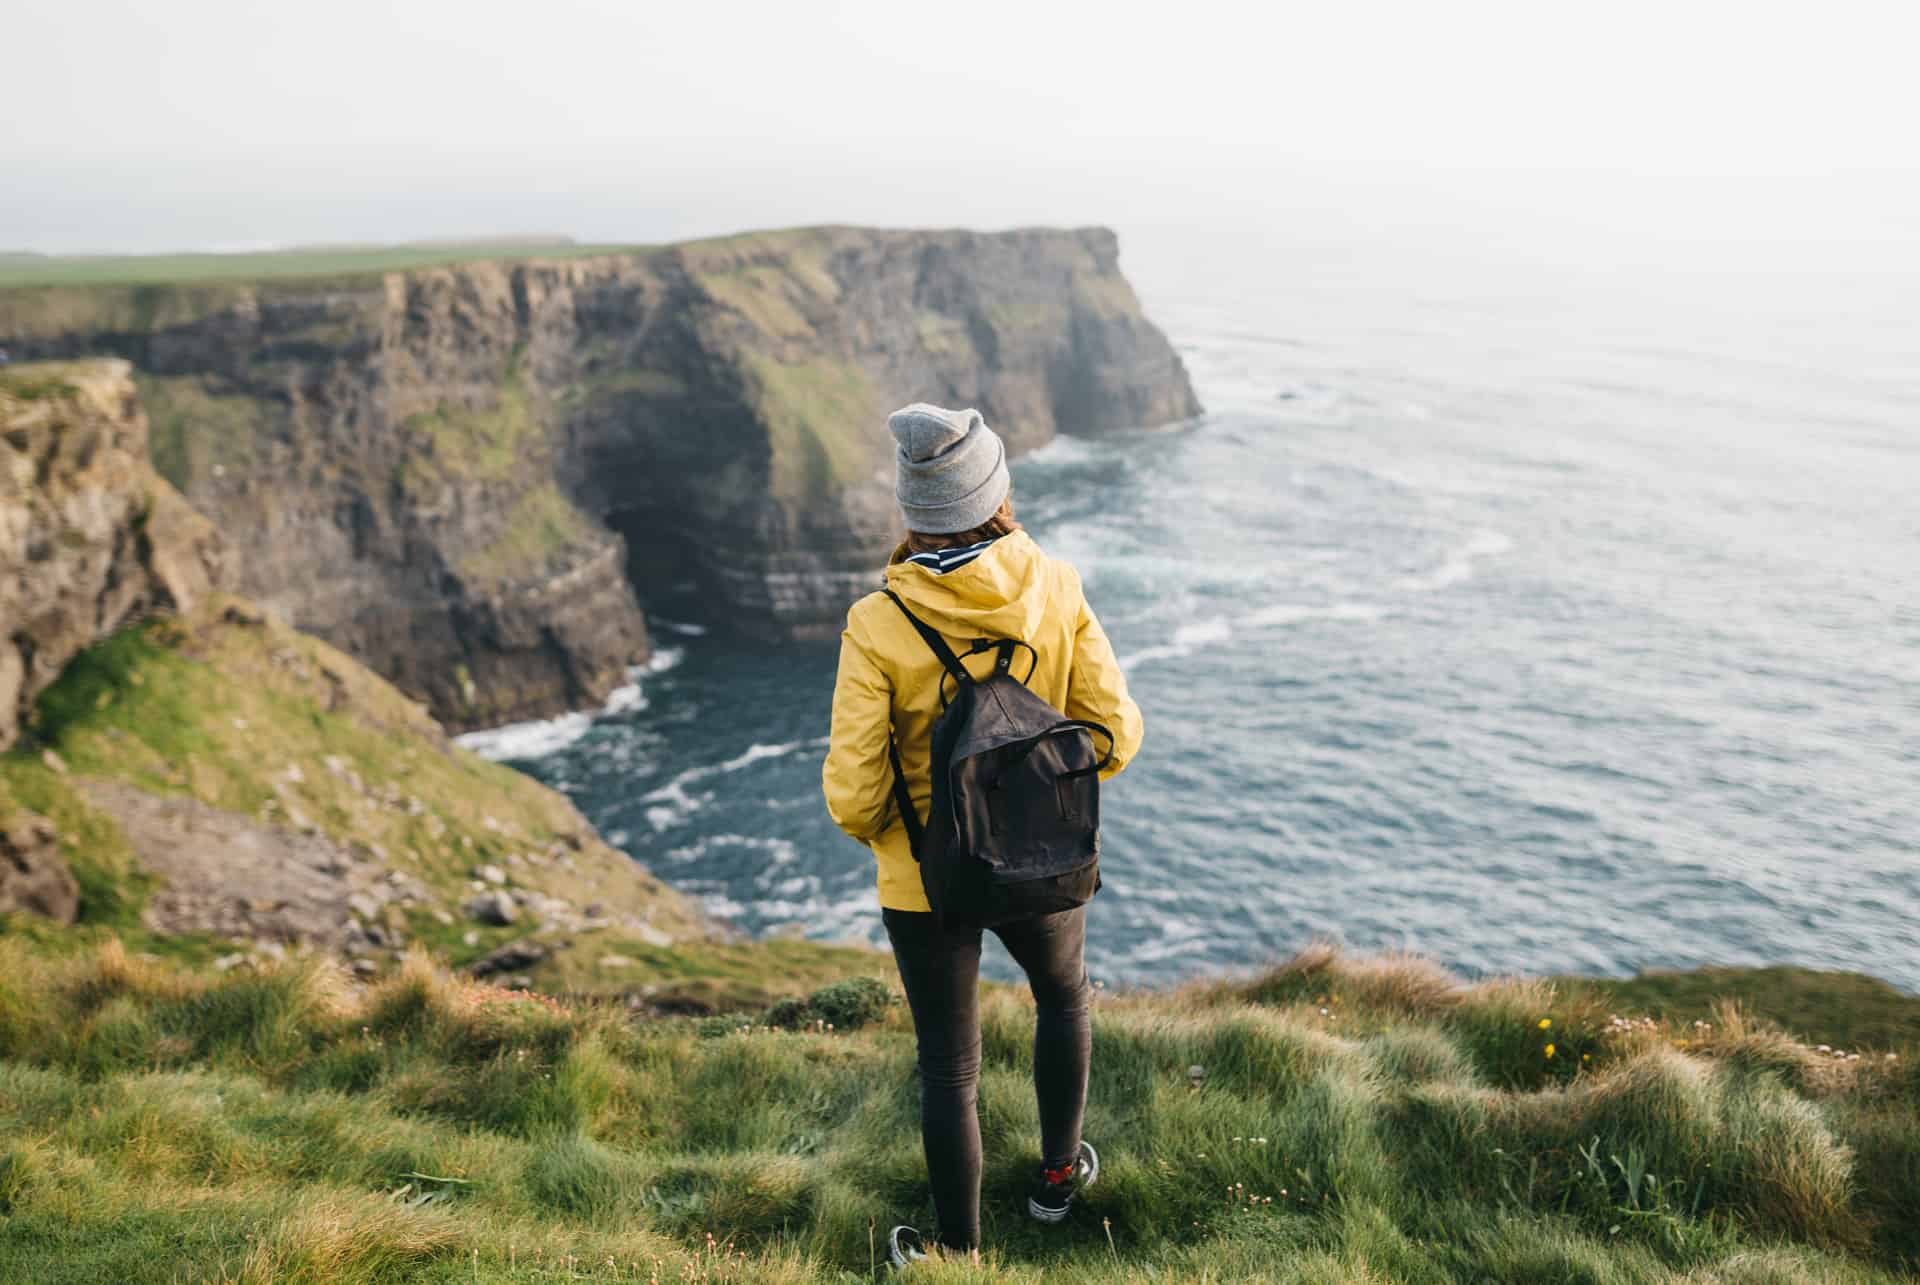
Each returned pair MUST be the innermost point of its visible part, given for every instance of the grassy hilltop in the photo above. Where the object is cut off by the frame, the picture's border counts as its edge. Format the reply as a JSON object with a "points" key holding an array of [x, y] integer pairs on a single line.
{"points": [[1331, 1120], [33, 270]]}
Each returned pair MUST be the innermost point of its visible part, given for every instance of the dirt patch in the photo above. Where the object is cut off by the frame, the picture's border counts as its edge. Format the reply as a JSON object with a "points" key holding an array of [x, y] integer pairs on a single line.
{"points": [[229, 876]]}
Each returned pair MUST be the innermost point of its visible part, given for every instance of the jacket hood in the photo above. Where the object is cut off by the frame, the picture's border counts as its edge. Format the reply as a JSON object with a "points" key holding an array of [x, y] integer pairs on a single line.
{"points": [[1002, 593]]}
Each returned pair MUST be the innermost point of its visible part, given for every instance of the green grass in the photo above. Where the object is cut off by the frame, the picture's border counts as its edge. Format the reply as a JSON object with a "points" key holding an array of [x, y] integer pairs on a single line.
{"points": [[486, 444], [193, 427], [541, 526], [226, 705], [39, 380], [818, 416], [1351, 1120], [1820, 1007], [168, 269]]}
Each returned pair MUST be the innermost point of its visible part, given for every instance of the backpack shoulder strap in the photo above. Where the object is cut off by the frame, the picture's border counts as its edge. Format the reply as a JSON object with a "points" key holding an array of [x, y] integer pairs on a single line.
{"points": [[903, 800], [935, 643]]}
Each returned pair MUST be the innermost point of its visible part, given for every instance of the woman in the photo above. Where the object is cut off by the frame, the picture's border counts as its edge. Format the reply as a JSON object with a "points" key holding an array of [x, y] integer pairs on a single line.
{"points": [[968, 570]]}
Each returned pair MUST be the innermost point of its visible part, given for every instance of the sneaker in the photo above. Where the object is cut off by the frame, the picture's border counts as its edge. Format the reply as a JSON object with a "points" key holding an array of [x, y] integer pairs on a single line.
{"points": [[904, 1247], [1053, 1194]]}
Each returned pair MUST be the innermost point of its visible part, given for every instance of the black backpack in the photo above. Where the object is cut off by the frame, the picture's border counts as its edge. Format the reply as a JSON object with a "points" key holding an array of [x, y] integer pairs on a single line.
{"points": [[1014, 825]]}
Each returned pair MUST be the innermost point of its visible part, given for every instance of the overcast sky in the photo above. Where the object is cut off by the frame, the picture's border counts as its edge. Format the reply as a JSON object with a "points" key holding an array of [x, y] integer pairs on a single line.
{"points": [[221, 123]]}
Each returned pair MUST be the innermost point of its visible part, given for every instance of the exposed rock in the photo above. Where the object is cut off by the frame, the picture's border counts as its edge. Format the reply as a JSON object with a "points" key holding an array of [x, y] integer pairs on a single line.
{"points": [[458, 473], [509, 958], [495, 908], [492, 874], [33, 873], [90, 535], [226, 875]]}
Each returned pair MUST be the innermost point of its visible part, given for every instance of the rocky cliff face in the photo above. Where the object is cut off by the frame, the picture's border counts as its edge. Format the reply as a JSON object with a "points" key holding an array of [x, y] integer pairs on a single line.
{"points": [[90, 535], [461, 474]]}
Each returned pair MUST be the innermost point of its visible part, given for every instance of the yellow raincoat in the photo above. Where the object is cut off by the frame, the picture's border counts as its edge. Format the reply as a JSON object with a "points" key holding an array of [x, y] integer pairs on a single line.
{"points": [[889, 679]]}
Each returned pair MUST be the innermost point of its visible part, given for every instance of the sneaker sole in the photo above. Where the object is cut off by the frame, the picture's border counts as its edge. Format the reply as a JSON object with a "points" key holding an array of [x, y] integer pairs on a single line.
{"points": [[1042, 1213], [900, 1259]]}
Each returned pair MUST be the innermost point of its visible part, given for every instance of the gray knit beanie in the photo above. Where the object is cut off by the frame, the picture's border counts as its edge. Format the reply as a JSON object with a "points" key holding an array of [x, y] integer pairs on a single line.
{"points": [[950, 471]]}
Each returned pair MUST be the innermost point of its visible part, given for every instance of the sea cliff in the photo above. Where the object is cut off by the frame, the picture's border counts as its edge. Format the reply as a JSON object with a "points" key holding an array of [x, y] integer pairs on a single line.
{"points": [[470, 476], [90, 535], [182, 767]]}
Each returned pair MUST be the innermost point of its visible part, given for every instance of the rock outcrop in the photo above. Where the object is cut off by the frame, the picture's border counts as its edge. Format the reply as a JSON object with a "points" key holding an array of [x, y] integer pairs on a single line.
{"points": [[34, 875], [90, 535], [460, 474], [218, 774]]}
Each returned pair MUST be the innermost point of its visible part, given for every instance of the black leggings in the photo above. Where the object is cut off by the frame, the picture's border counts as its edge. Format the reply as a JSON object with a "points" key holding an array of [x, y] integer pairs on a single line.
{"points": [[940, 967]]}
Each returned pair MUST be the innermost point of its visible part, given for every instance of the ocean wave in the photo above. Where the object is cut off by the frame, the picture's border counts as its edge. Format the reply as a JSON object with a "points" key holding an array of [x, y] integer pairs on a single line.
{"points": [[1289, 614], [756, 753], [1311, 400], [780, 851], [1063, 449], [673, 803], [533, 739], [1458, 565], [1186, 640], [539, 737], [1190, 638]]}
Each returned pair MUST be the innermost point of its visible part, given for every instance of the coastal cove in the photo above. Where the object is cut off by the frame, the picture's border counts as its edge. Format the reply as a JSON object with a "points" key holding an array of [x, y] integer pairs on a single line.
{"points": [[1551, 624]]}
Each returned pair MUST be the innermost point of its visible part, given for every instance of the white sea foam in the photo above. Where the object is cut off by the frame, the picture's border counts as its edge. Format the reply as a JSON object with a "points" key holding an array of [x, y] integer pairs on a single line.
{"points": [[1287, 613], [1189, 638], [755, 753], [779, 852], [1063, 449], [1459, 565], [1186, 640], [625, 699], [1202, 632], [687, 628], [672, 804], [539, 737], [530, 740]]}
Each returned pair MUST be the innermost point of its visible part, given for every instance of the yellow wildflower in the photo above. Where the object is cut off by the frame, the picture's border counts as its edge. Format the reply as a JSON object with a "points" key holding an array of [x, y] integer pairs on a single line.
{"points": [[1549, 1050], [1545, 1022]]}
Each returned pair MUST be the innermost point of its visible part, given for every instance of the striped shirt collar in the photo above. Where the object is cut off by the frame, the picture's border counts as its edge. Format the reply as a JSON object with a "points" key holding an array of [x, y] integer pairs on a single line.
{"points": [[941, 561]]}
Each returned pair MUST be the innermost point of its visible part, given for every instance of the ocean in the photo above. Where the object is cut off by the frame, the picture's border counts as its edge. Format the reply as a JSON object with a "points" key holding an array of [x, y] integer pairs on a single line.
{"points": [[1533, 618]]}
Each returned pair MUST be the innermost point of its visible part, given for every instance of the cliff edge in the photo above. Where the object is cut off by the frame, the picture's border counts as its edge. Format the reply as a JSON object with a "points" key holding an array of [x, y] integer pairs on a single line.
{"points": [[470, 476], [182, 766], [90, 535]]}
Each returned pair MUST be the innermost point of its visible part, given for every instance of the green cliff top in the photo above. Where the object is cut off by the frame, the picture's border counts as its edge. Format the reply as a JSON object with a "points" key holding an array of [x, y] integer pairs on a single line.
{"points": [[30, 271], [26, 382]]}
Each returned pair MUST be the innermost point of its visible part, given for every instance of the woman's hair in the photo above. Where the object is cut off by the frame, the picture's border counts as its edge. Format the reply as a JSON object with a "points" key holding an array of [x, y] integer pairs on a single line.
{"points": [[1001, 523]]}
